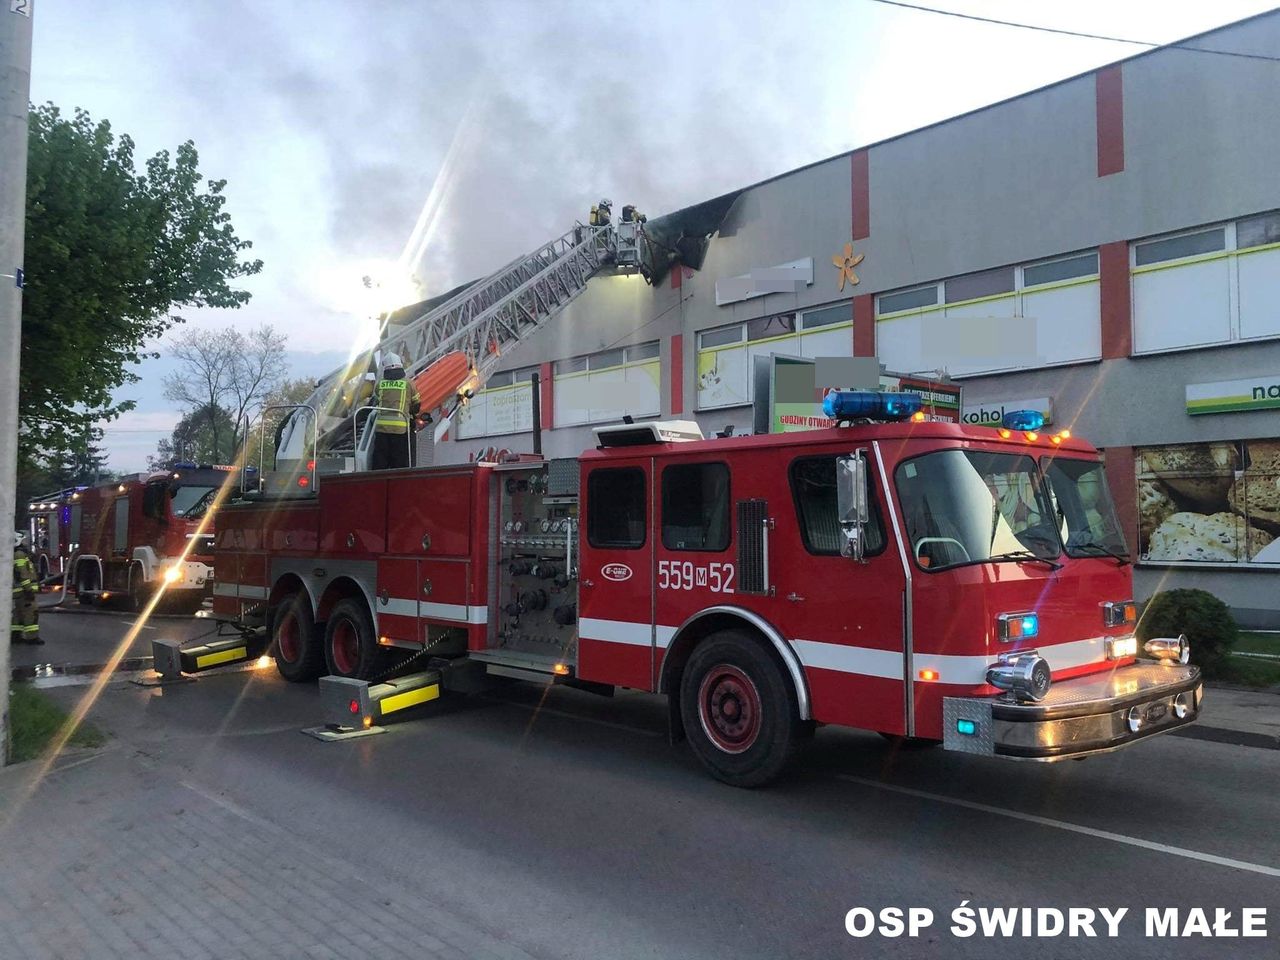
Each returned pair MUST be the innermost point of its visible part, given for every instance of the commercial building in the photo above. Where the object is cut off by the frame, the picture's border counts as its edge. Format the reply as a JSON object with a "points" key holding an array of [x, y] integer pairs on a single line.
{"points": [[1106, 248]]}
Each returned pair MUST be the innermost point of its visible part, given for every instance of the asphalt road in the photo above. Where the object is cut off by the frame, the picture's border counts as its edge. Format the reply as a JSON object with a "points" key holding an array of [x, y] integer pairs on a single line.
{"points": [[76, 635], [566, 822]]}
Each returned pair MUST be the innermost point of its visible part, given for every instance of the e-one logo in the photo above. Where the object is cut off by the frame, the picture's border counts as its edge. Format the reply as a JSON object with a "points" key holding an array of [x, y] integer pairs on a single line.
{"points": [[616, 572]]}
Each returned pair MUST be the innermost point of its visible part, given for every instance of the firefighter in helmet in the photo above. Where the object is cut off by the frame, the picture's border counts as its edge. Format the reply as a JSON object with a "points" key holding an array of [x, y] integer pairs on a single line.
{"points": [[602, 213], [398, 404], [24, 627]]}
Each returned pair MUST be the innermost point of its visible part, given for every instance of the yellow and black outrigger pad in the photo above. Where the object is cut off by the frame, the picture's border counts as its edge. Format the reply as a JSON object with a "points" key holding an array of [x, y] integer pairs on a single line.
{"points": [[353, 707]]}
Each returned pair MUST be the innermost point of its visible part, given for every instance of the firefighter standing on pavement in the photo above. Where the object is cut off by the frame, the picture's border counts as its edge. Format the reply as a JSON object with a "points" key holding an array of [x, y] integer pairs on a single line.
{"points": [[24, 626], [398, 402]]}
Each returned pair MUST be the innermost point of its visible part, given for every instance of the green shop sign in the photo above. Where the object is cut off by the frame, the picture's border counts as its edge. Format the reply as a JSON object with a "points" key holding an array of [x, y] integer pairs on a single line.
{"points": [[1227, 396]]}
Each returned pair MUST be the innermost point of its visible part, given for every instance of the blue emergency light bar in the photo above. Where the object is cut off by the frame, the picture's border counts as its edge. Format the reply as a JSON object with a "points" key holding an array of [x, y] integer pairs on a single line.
{"points": [[870, 405], [1023, 420]]}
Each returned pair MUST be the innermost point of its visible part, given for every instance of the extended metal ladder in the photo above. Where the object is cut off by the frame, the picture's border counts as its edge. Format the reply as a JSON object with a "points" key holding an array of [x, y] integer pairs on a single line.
{"points": [[483, 321]]}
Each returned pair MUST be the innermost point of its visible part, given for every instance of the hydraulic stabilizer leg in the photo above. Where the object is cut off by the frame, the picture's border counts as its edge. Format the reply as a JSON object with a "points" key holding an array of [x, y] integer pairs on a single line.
{"points": [[172, 661], [354, 707]]}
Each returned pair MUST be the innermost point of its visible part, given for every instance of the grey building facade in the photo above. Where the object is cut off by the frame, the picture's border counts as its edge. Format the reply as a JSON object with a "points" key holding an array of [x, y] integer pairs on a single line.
{"points": [[1107, 247]]}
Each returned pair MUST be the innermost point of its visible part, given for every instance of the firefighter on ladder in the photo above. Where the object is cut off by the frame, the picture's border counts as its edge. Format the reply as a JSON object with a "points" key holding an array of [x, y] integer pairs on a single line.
{"points": [[24, 627], [398, 405]]}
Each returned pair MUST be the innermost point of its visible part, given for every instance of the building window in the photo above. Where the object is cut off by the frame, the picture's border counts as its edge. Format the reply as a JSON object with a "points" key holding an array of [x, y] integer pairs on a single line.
{"points": [[1055, 271], [976, 286], [813, 487], [615, 508], [1211, 503], [1258, 231], [726, 354], [1208, 286], [908, 299], [1176, 248], [720, 337], [826, 317], [1009, 318], [504, 406], [608, 385], [695, 507]]}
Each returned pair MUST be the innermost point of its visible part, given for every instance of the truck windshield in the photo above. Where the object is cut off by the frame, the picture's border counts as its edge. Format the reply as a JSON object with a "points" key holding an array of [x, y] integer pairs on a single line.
{"points": [[968, 506], [1082, 504], [192, 502]]}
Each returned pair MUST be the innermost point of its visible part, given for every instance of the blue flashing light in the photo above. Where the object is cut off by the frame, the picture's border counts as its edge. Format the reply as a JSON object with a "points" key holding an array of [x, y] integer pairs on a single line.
{"points": [[1023, 420], [967, 727], [870, 404], [1030, 625], [185, 466]]}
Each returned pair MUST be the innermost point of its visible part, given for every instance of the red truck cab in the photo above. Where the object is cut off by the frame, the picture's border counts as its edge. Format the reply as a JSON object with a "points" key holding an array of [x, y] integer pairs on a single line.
{"points": [[137, 532]]}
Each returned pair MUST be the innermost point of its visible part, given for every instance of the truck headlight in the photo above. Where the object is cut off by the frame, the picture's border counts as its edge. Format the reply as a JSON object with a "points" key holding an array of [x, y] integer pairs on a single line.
{"points": [[173, 575], [1120, 647], [1025, 675], [1168, 650]]}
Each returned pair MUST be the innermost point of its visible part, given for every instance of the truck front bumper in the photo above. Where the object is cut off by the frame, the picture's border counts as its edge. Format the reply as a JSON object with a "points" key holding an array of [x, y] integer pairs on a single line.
{"points": [[1078, 717]]}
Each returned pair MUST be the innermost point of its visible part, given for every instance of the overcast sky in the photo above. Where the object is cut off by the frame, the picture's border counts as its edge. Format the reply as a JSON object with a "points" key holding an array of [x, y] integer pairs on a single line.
{"points": [[333, 121]]}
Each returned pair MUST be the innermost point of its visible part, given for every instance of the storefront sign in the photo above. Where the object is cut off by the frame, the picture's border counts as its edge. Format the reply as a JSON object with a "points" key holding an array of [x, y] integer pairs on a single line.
{"points": [[1225, 396], [941, 401], [992, 413]]}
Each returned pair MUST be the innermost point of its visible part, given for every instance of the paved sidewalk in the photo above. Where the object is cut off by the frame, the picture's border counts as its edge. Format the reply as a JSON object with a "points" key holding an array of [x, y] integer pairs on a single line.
{"points": [[112, 857]]}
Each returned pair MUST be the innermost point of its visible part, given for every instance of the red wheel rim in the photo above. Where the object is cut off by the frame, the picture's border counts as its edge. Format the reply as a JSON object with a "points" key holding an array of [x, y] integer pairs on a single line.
{"points": [[346, 646], [288, 642], [729, 708]]}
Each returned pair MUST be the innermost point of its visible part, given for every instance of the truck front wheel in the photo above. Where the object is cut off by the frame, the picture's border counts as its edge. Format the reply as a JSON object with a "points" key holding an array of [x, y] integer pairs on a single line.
{"points": [[350, 647], [738, 709], [298, 654]]}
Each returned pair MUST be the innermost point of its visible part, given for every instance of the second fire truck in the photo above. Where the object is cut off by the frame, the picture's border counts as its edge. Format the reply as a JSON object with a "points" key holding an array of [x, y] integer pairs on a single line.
{"points": [[943, 582], [132, 534]]}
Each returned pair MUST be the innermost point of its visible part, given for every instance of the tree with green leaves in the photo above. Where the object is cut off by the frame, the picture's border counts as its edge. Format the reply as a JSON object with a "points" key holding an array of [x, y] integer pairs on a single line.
{"points": [[111, 254], [202, 436]]}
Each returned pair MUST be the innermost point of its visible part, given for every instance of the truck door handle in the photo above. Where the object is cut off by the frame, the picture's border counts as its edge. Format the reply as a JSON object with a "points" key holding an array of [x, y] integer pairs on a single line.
{"points": [[794, 597], [588, 583]]}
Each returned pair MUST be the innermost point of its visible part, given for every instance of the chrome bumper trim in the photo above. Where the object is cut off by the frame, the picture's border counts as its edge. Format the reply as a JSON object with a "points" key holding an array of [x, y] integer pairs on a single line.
{"points": [[1082, 716]]}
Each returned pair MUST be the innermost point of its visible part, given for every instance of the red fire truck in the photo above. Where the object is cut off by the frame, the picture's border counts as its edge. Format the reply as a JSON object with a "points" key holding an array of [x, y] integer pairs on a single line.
{"points": [[928, 580], [49, 532], [131, 534]]}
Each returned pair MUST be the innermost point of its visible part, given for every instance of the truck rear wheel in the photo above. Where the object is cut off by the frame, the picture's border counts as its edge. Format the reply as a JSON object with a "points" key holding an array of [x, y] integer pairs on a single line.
{"points": [[350, 647], [299, 655], [739, 710]]}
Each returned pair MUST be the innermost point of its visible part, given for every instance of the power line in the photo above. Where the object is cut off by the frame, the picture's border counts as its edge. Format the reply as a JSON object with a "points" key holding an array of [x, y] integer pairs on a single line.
{"points": [[1075, 33]]}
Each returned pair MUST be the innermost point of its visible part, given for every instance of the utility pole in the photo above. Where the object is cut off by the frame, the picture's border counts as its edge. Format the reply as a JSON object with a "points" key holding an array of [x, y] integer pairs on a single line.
{"points": [[15, 95]]}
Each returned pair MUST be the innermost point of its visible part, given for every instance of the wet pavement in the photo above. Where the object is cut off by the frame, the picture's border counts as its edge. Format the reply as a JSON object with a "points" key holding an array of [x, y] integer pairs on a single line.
{"points": [[558, 824]]}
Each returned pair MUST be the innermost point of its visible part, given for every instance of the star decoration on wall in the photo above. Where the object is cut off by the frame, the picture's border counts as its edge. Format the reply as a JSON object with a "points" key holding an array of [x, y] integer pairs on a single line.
{"points": [[845, 262]]}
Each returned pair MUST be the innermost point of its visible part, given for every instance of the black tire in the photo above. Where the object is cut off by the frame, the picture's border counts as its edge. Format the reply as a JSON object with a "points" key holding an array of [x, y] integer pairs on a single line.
{"points": [[42, 569], [298, 653], [136, 597], [86, 581], [350, 645], [739, 710]]}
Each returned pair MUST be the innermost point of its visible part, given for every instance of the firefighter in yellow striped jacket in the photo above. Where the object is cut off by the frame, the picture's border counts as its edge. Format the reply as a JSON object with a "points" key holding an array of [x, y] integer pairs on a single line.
{"points": [[24, 627], [398, 405]]}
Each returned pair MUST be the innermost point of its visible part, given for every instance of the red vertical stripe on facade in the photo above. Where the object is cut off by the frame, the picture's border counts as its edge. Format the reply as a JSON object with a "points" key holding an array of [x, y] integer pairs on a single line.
{"points": [[1117, 311], [864, 326], [1123, 481], [861, 169], [677, 373], [1109, 90], [677, 276], [547, 391]]}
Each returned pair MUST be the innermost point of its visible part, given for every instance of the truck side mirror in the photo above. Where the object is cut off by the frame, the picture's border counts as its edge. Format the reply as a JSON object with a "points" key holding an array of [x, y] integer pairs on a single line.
{"points": [[852, 503]]}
